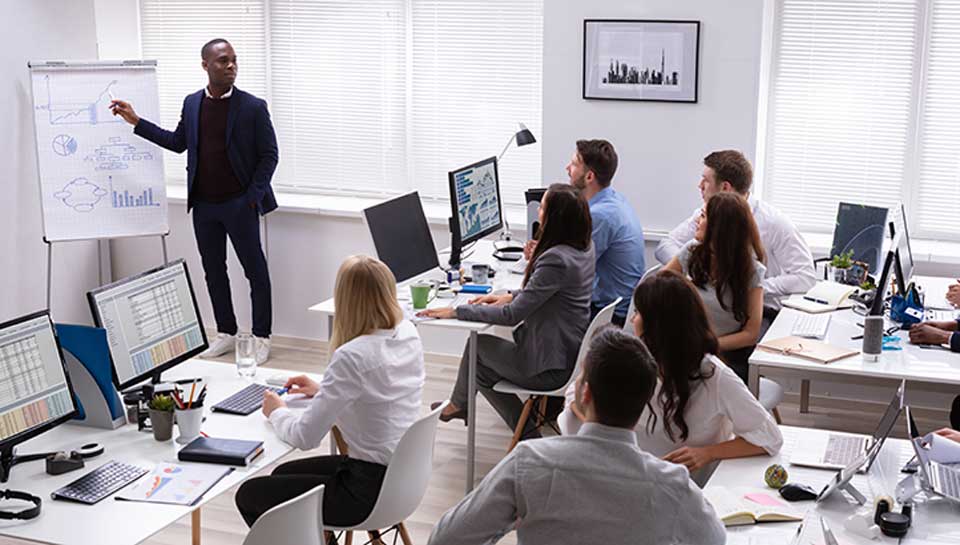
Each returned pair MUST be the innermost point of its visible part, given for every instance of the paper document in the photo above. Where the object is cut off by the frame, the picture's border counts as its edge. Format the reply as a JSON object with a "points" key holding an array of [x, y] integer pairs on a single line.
{"points": [[942, 450], [175, 483]]}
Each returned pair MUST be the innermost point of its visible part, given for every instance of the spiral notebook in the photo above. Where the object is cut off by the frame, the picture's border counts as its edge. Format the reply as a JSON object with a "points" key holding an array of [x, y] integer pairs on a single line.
{"points": [[807, 349]]}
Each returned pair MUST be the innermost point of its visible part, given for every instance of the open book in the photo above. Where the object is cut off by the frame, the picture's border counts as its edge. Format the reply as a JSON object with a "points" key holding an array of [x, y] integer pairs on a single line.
{"points": [[823, 297], [739, 506], [806, 348]]}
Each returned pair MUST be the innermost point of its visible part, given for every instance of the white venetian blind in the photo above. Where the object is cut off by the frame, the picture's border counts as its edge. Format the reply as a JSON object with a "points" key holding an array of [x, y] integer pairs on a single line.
{"points": [[173, 31], [840, 106], [939, 143], [476, 72], [338, 80]]}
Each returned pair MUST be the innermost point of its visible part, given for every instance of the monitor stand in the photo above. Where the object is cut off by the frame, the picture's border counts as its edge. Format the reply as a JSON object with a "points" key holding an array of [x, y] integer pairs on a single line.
{"points": [[8, 459], [455, 246]]}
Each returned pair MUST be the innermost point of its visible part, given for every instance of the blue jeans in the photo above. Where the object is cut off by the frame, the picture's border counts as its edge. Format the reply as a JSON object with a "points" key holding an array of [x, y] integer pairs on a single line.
{"points": [[236, 219]]}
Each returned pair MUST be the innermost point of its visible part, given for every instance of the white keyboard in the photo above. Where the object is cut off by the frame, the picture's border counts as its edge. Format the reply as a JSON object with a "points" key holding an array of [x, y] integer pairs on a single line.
{"points": [[813, 326]]}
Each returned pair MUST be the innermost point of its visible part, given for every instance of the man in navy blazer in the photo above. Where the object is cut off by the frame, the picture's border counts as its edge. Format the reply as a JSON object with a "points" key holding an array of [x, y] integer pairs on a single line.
{"points": [[231, 155]]}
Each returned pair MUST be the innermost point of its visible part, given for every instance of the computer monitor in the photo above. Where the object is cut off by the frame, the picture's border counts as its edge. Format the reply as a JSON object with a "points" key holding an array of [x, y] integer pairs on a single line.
{"points": [[152, 322], [35, 389], [475, 200], [402, 236], [862, 229], [883, 283], [903, 250]]}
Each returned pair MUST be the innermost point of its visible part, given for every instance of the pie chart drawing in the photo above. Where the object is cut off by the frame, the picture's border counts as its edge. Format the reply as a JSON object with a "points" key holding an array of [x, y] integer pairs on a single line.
{"points": [[64, 145]]}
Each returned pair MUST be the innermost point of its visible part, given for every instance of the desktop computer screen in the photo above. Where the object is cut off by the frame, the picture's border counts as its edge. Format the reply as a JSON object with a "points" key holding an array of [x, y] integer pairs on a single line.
{"points": [[475, 199], [862, 229], [152, 322], [35, 391], [904, 252], [402, 236]]}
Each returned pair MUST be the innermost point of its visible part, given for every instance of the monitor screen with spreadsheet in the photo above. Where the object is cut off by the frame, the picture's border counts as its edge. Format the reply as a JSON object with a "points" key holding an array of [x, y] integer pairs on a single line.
{"points": [[152, 322], [475, 200], [35, 390]]}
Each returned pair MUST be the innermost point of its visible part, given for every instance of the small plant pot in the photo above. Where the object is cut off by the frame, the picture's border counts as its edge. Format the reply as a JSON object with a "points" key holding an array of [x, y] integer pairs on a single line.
{"points": [[162, 424]]}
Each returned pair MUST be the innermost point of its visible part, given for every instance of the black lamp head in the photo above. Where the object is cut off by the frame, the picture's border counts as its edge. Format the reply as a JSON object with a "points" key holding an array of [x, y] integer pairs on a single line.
{"points": [[524, 136]]}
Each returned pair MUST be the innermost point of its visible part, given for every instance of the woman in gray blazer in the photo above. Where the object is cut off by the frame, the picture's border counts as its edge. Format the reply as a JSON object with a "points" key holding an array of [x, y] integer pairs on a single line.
{"points": [[552, 308]]}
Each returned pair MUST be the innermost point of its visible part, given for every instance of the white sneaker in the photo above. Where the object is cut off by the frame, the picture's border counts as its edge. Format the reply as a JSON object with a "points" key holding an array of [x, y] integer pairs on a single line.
{"points": [[220, 345], [263, 349]]}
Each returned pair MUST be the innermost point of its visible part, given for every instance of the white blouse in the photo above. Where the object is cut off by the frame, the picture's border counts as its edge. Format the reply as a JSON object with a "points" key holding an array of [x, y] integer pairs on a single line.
{"points": [[371, 390], [720, 408]]}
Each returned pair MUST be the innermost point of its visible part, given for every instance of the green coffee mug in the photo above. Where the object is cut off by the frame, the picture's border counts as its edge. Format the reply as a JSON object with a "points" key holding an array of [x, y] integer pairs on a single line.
{"points": [[421, 295]]}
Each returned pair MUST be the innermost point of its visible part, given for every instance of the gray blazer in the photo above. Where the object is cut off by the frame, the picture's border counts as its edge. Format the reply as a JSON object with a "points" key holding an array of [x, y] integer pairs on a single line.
{"points": [[554, 307]]}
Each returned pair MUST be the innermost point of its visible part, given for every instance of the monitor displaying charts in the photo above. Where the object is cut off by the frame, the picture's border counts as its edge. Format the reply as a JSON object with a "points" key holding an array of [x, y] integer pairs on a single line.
{"points": [[35, 392], [475, 198], [152, 322]]}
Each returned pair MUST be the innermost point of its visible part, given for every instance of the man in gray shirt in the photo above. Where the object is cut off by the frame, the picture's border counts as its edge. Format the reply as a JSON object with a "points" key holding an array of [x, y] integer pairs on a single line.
{"points": [[593, 487]]}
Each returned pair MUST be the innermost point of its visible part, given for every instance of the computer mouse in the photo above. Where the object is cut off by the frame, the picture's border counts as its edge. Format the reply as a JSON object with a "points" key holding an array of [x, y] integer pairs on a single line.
{"points": [[797, 492]]}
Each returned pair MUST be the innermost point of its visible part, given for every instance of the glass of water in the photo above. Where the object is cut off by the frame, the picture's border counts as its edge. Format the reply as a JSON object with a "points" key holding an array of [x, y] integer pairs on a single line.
{"points": [[246, 355]]}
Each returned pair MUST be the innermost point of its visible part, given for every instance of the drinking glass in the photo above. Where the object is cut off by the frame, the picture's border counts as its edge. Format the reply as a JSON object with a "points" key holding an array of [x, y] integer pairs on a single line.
{"points": [[246, 355]]}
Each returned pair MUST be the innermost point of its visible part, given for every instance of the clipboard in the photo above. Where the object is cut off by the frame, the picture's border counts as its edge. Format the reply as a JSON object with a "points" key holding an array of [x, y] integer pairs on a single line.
{"points": [[817, 351]]}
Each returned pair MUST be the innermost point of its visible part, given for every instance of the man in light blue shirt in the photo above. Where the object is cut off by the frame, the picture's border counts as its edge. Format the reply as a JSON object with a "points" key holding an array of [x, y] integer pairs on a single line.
{"points": [[617, 234]]}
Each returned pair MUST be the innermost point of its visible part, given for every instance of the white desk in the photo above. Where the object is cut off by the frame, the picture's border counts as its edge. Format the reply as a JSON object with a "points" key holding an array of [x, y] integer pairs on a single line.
{"points": [[123, 522], [934, 520], [925, 368], [503, 280]]}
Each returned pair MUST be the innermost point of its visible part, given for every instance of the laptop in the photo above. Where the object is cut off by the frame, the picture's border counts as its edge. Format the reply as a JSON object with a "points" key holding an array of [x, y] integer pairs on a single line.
{"points": [[941, 479], [838, 450]]}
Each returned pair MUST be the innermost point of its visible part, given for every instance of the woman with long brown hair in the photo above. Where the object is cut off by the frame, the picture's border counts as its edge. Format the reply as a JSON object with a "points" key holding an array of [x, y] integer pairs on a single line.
{"points": [[552, 310], [701, 411], [725, 263]]}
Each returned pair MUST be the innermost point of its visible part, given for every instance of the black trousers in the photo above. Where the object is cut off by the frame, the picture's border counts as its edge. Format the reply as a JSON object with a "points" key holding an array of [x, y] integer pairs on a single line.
{"points": [[236, 219], [351, 490]]}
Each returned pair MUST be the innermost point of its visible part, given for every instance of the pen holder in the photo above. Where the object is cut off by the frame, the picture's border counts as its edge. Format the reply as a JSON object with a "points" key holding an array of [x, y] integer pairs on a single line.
{"points": [[189, 420]]}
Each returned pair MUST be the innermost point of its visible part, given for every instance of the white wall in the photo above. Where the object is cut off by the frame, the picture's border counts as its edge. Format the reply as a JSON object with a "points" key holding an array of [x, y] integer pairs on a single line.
{"points": [[47, 30], [660, 144]]}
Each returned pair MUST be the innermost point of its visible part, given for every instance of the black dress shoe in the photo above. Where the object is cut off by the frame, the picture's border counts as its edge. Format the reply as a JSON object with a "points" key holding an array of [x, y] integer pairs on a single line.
{"points": [[461, 414]]}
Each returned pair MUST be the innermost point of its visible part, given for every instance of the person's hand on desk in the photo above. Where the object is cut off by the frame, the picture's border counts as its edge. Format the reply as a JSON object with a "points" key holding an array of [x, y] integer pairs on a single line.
{"points": [[271, 402], [302, 384], [492, 299], [692, 457], [441, 313], [929, 333], [950, 434]]}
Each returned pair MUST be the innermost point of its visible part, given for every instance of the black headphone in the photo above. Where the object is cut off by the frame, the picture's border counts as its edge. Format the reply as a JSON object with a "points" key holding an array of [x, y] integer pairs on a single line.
{"points": [[891, 523], [26, 514]]}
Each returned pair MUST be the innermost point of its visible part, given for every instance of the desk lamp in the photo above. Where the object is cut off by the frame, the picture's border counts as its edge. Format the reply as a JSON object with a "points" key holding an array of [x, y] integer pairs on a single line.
{"points": [[523, 137]]}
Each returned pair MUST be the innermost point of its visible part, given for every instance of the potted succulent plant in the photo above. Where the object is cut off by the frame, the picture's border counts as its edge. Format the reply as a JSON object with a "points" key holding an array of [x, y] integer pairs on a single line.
{"points": [[161, 416], [845, 270]]}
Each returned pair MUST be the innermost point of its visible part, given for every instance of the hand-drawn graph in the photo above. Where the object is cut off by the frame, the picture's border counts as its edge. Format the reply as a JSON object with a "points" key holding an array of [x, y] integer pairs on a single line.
{"points": [[80, 194], [117, 155], [84, 113], [64, 145], [126, 200]]}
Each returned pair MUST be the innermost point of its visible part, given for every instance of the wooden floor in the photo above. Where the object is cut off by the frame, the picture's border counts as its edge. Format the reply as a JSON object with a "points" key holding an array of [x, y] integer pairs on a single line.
{"points": [[222, 524]]}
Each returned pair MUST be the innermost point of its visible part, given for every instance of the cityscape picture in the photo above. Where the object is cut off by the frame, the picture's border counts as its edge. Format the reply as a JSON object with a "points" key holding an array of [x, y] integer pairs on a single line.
{"points": [[641, 60]]}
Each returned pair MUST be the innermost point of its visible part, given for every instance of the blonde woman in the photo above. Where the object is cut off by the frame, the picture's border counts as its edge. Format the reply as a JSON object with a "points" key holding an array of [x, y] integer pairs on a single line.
{"points": [[371, 390]]}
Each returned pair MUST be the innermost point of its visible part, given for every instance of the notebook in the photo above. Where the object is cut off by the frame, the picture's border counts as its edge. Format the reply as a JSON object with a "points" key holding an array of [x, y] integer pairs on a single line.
{"points": [[823, 297], [740, 506], [233, 452], [175, 484], [807, 349]]}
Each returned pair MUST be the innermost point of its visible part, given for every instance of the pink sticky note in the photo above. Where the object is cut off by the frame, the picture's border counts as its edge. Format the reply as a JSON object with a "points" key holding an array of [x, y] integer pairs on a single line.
{"points": [[764, 499]]}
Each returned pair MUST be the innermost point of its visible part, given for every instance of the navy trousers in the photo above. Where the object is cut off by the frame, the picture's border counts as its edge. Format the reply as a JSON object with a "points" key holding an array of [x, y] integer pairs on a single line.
{"points": [[236, 219]]}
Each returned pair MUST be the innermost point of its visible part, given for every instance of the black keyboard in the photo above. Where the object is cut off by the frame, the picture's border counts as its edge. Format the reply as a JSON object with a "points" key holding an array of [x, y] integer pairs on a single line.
{"points": [[99, 483], [245, 401]]}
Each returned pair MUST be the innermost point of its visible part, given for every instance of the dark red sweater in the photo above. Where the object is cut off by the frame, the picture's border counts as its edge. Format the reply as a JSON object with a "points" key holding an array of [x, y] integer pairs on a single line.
{"points": [[215, 181]]}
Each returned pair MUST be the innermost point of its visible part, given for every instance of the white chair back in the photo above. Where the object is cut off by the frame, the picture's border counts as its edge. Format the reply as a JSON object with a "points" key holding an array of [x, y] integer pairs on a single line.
{"points": [[298, 521], [628, 324], [408, 474], [603, 318]]}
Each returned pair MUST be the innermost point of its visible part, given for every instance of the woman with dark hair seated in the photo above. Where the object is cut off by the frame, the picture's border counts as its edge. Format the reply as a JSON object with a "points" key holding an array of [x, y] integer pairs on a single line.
{"points": [[552, 310], [725, 263], [701, 411]]}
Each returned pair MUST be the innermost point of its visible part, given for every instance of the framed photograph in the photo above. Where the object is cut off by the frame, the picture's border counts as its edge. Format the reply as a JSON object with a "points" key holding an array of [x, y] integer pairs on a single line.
{"points": [[641, 60]]}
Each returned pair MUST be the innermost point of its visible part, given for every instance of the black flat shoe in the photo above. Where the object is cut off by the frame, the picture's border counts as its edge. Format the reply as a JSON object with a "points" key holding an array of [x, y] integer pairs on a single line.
{"points": [[461, 414]]}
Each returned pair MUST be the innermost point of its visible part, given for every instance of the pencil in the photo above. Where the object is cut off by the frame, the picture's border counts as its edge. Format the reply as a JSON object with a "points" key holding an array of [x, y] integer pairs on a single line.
{"points": [[192, 388]]}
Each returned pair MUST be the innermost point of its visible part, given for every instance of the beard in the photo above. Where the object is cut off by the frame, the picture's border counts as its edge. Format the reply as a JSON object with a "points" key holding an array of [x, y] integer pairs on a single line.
{"points": [[579, 183]]}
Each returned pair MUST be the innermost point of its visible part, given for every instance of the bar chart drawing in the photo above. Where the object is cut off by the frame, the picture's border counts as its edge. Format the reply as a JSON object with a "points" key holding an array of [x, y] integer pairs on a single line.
{"points": [[129, 200]]}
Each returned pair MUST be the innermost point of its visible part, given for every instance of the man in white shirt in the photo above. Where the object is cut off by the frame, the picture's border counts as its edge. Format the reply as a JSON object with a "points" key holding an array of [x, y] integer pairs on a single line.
{"points": [[789, 262], [593, 487]]}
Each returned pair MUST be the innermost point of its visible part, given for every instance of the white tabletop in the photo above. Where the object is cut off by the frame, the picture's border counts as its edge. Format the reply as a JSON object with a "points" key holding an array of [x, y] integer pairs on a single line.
{"points": [[912, 362], [934, 520], [124, 522], [503, 280]]}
